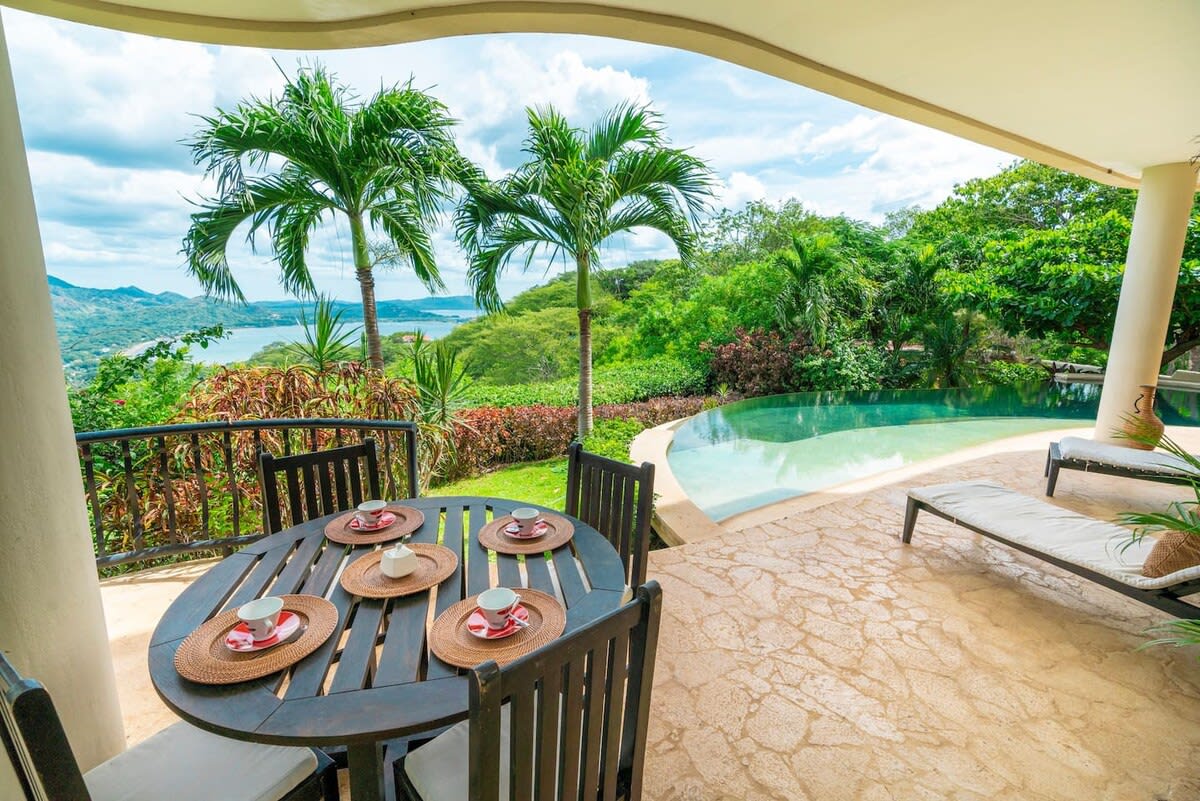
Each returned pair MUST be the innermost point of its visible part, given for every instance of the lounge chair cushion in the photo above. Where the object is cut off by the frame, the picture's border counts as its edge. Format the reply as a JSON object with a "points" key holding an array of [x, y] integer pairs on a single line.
{"points": [[1086, 450], [183, 763], [1043, 527], [1174, 550]]}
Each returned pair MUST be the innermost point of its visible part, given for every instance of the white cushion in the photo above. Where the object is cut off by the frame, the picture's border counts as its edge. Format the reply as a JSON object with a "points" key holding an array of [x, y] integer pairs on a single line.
{"points": [[438, 769], [1049, 529], [183, 763], [1086, 450]]}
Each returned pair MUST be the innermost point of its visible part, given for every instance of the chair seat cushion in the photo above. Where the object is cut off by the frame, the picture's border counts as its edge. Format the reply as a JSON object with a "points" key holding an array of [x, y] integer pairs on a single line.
{"points": [[1086, 450], [438, 769], [183, 763], [1097, 545]]}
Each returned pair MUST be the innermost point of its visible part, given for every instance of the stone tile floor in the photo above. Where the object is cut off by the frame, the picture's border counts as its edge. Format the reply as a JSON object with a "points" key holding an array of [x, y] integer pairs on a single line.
{"points": [[815, 657]]}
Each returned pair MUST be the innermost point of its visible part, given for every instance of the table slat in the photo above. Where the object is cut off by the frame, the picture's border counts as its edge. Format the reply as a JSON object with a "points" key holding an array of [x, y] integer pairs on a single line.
{"points": [[450, 591], [477, 555], [568, 576], [538, 572]]}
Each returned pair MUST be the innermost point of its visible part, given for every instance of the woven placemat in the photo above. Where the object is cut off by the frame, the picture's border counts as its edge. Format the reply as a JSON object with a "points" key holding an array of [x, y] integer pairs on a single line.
{"points": [[408, 520], [455, 645], [435, 563], [203, 657], [493, 538]]}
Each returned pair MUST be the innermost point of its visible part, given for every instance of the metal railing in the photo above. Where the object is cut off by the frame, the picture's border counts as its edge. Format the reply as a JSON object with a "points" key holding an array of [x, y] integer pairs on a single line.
{"points": [[161, 491]]}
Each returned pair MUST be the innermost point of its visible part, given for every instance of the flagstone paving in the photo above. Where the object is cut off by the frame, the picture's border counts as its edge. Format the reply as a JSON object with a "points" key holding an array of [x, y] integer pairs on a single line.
{"points": [[815, 657]]}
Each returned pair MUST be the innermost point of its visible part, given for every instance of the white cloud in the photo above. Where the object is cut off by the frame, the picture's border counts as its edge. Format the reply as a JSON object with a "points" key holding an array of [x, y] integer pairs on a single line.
{"points": [[104, 113], [739, 190]]}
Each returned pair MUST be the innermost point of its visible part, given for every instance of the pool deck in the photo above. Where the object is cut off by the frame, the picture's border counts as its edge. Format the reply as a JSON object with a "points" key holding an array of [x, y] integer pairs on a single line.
{"points": [[807, 654]]}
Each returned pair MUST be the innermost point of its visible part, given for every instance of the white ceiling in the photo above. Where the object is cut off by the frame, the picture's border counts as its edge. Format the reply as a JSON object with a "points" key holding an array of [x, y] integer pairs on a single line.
{"points": [[1101, 87]]}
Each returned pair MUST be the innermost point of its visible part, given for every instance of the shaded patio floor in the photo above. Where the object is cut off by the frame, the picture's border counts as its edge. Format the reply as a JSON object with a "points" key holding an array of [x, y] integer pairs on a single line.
{"points": [[815, 657]]}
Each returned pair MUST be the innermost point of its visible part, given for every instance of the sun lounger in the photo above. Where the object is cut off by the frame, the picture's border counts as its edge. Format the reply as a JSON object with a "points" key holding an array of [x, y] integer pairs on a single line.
{"points": [[1076, 453], [1082, 545]]}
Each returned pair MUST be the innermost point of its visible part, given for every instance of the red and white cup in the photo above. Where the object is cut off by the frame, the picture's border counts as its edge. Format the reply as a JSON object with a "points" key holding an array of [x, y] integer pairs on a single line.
{"points": [[370, 513], [496, 605], [261, 617], [526, 517]]}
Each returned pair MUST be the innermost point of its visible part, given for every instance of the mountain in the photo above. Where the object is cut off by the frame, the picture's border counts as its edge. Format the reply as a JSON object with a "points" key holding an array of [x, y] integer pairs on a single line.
{"points": [[95, 322]]}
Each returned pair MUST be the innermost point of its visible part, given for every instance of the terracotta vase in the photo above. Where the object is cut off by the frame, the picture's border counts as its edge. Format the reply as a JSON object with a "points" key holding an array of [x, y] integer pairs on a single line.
{"points": [[1144, 422]]}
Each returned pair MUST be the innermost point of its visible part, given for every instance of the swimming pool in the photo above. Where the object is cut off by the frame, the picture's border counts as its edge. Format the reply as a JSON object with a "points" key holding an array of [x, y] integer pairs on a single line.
{"points": [[763, 450]]}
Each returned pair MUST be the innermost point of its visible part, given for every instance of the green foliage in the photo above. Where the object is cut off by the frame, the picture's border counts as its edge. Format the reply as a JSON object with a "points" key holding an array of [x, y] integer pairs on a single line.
{"points": [[844, 366], [612, 438], [142, 390], [952, 349], [327, 342], [625, 383], [1023, 196], [543, 483], [441, 380], [823, 290], [1014, 374]]}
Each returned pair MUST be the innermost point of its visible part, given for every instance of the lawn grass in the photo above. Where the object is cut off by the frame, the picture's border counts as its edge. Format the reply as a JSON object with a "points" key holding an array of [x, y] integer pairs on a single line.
{"points": [[543, 483]]}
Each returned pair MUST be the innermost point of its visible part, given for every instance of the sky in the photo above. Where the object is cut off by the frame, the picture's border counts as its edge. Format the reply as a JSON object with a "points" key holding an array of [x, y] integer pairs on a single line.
{"points": [[105, 113]]}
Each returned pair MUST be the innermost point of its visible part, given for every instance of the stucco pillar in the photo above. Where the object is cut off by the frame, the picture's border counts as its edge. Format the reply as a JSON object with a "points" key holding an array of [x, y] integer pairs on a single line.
{"points": [[1160, 222], [51, 621]]}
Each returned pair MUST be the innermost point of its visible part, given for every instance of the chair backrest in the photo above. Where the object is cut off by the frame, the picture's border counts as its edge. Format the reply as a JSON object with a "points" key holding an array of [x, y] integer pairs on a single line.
{"points": [[318, 483], [577, 712], [35, 740], [616, 499]]}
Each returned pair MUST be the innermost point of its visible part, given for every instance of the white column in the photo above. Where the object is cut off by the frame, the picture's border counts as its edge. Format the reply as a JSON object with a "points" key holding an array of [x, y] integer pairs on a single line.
{"points": [[1160, 223], [51, 620]]}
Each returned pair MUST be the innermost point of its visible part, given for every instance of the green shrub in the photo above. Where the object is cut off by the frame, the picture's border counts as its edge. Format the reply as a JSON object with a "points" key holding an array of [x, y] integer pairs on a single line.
{"points": [[843, 366], [1013, 373], [625, 383], [612, 438]]}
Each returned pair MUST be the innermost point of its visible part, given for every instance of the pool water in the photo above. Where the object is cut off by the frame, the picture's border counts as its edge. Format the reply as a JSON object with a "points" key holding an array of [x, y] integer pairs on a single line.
{"points": [[763, 450]]}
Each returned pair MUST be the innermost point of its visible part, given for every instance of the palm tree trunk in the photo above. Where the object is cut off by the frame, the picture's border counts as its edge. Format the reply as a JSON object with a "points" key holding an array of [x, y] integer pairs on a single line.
{"points": [[366, 284], [585, 373], [584, 302]]}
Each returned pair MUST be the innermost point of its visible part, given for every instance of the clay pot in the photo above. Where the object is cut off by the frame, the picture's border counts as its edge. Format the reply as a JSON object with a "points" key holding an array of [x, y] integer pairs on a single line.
{"points": [[1144, 422]]}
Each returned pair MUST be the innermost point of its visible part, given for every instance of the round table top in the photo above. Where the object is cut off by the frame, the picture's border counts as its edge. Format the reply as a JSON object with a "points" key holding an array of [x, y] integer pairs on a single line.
{"points": [[375, 678]]}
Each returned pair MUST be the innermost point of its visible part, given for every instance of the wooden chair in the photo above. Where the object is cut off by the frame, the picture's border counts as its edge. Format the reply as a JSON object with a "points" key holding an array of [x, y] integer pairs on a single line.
{"points": [[319, 483], [180, 763], [617, 499], [565, 722]]}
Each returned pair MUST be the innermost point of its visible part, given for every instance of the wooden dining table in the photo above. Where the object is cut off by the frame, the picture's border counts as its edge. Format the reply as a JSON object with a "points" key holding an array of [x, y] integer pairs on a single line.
{"points": [[375, 679]]}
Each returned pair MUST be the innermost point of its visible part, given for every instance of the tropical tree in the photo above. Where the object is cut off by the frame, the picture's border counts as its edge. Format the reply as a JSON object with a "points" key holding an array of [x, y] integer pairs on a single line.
{"points": [[822, 289], [952, 348], [577, 190], [387, 164]]}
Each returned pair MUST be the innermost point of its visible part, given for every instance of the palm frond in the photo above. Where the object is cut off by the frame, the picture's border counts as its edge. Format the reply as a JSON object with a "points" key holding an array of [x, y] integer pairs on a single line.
{"points": [[684, 175], [410, 231], [620, 127]]}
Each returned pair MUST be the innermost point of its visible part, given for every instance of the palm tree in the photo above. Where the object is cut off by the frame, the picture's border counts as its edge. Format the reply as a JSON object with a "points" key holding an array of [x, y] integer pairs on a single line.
{"points": [[576, 190], [821, 287], [386, 164]]}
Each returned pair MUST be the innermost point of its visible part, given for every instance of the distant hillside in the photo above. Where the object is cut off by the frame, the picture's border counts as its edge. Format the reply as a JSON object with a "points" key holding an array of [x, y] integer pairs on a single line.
{"points": [[94, 322]]}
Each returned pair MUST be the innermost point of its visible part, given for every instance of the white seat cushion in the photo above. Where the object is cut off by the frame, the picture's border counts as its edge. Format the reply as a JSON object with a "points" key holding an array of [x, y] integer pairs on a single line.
{"points": [[438, 769], [183, 763], [1086, 450], [1049, 529]]}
